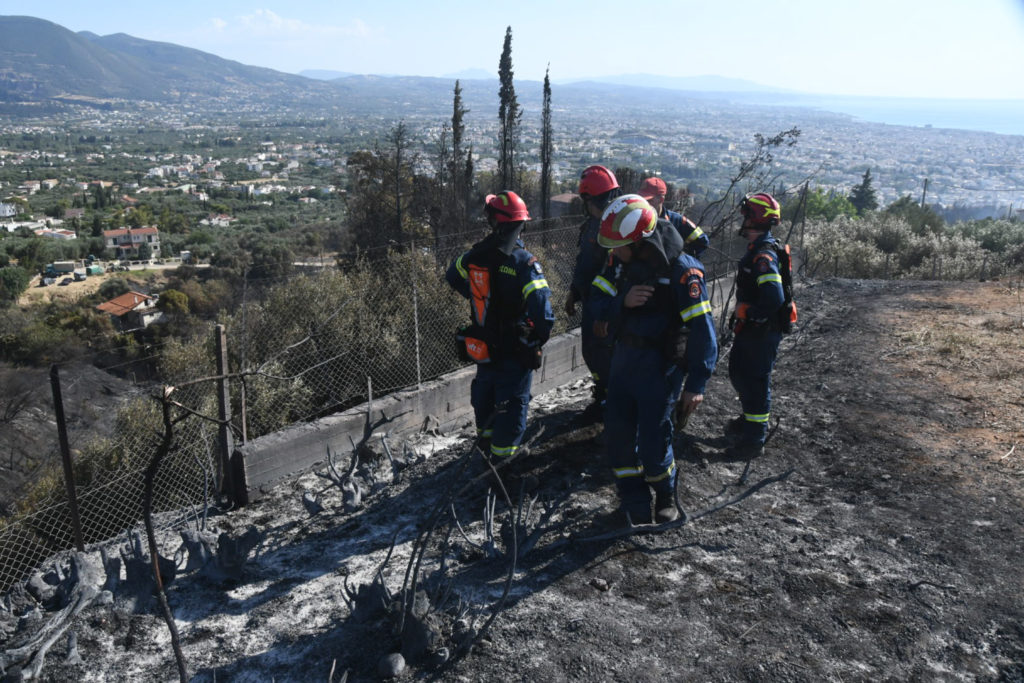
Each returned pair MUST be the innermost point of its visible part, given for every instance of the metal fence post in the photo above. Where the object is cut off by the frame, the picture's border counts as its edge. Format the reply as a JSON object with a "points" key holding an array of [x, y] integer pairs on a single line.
{"points": [[65, 454], [416, 329], [225, 442]]}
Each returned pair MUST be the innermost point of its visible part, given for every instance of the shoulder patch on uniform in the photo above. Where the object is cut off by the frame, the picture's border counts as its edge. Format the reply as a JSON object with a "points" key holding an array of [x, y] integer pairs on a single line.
{"points": [[536, 266], [691, 273], [695, 290], [763, 265]]}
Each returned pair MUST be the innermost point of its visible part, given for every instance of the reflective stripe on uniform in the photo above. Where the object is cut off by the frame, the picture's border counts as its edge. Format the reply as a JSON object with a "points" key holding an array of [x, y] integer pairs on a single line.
{"points": [[749, 417], [625, 472], [769, 277], [605, 286], [533, 285], [503, 451], [695, 311], [458, 267], [664, 475], [695, 235], [485, 433]]}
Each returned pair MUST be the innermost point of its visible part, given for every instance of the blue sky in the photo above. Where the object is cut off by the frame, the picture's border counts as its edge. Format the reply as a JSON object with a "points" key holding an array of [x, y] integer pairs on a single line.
{"points": [[920, 48]]}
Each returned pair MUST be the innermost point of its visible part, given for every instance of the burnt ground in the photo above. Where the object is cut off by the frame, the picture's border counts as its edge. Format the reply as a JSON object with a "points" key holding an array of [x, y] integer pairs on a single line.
{"points": [[879, 538]]}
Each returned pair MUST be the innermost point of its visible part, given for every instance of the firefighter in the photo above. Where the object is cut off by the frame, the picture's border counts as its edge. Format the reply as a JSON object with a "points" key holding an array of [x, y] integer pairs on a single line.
{"points": [[654, 297], [597, 188], [759, 297], [696, 240], [511, 320]]}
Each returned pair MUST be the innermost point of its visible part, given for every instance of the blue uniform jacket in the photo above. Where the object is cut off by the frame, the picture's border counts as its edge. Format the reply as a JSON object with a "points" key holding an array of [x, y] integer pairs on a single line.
{"points": [[695, 239], [520, 278], [759, 282], [681, 280], [590, 258]]}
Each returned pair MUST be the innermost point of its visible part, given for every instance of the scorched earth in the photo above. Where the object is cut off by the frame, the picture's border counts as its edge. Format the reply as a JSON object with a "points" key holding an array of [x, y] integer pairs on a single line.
{"points": [[879, 538]]}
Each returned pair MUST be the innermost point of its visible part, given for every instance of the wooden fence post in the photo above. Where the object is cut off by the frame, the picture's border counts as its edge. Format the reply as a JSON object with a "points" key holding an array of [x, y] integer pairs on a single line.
{"points": [[65, 454], [225, 441]]}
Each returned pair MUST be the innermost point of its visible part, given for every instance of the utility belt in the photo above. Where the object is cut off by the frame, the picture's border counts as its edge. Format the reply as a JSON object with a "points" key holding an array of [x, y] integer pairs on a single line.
{"points": [[753, 328], [472, 345], [637, 341], [671, 345]]}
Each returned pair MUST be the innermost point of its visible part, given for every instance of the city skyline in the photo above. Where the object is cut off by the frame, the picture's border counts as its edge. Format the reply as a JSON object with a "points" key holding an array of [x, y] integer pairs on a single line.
{"points": [[901, 48]]}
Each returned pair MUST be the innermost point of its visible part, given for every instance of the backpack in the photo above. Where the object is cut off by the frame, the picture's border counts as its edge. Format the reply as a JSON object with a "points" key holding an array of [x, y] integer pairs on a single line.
{"points": [[491, 317], [787, 312]]}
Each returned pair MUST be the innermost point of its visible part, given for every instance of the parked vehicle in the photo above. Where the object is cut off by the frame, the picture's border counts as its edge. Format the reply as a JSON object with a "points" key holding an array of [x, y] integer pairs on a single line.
{"points": [[65, 281], [58, 268]]}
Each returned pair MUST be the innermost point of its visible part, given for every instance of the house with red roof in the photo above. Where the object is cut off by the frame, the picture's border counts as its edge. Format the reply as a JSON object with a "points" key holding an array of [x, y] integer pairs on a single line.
{"points": [[126, 241], [132, 311]]}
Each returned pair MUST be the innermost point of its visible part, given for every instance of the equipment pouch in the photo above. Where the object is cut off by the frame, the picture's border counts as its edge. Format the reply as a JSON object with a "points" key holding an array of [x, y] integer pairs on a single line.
{"points": [[470, 345], [529, 352], [675, 342], [531, 357]]}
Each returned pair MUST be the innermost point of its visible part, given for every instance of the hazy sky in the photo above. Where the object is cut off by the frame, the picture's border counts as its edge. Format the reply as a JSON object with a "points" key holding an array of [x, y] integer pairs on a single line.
{"points": [[925, 48]]}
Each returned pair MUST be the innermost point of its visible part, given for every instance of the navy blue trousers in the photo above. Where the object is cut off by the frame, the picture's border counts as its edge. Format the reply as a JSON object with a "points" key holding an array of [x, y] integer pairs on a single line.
{"points": [[500, 395], [642, 391], [750, 372], [597, 352]]}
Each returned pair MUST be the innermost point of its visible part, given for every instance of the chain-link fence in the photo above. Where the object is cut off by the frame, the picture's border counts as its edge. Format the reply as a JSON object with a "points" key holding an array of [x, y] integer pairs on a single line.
{"points": [[298, 348], [108, 472]]}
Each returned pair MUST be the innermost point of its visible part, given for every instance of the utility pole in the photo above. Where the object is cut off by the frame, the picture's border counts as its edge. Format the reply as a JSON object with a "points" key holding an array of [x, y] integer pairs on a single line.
{"points": [[924, 193]]}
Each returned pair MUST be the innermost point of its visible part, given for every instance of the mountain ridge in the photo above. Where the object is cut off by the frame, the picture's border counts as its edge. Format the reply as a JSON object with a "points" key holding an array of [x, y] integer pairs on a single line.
{"points": [[41, 60]]}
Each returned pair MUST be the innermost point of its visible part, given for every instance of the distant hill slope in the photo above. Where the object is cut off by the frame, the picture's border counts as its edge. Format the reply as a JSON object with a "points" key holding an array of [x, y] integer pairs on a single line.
{"points": [[40, 59]]}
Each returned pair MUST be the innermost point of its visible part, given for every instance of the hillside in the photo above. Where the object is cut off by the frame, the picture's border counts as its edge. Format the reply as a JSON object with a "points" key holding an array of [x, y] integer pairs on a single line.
{"points": [[40, 60], [879, 538]]}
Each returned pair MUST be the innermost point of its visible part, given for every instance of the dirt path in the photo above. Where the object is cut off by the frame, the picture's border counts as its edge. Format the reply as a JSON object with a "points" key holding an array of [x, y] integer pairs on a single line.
{"points": [[878, 539]]}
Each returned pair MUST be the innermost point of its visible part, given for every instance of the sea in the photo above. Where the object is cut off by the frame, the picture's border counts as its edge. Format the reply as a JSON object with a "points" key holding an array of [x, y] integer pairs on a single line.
{"points": [[994, 116]]}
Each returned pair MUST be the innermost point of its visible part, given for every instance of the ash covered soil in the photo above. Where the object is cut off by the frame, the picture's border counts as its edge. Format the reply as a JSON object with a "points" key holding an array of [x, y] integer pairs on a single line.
{"points": [[878, 538]]}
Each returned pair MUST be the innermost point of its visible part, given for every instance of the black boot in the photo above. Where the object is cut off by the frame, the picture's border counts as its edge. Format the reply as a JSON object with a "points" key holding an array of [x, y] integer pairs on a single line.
{"points": [[665, 509], [638, 517], [734, 427], [744, 451]]}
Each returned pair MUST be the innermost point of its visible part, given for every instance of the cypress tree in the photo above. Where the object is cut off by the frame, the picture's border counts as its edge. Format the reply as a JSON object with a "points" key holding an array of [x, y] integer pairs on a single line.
{"points": [[545, 149], [509, 116], [460, 179]]}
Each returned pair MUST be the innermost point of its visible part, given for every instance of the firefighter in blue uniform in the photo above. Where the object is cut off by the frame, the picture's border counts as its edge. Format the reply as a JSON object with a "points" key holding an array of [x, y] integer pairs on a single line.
{"points": [[696, 240], [598, 186], [654, 296], [759, 297], [511, 321]]}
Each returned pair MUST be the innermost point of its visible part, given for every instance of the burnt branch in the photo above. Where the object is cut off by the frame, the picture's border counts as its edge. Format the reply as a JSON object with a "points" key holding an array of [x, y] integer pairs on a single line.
{"points": [[147, 511]]}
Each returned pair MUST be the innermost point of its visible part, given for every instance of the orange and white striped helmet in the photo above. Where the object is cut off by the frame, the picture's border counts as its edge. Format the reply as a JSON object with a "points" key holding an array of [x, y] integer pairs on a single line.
{"points": [[628, 219]]}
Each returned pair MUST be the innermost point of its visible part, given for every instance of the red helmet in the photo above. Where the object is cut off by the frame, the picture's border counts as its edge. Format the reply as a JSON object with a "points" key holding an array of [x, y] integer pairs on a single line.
{"points": [[596, 180], [760, 209], [506, 207], [628, 219]]}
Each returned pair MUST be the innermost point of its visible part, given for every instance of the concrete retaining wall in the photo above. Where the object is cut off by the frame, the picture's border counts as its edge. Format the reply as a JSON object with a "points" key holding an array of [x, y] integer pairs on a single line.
{"points": [[442, 403]]}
